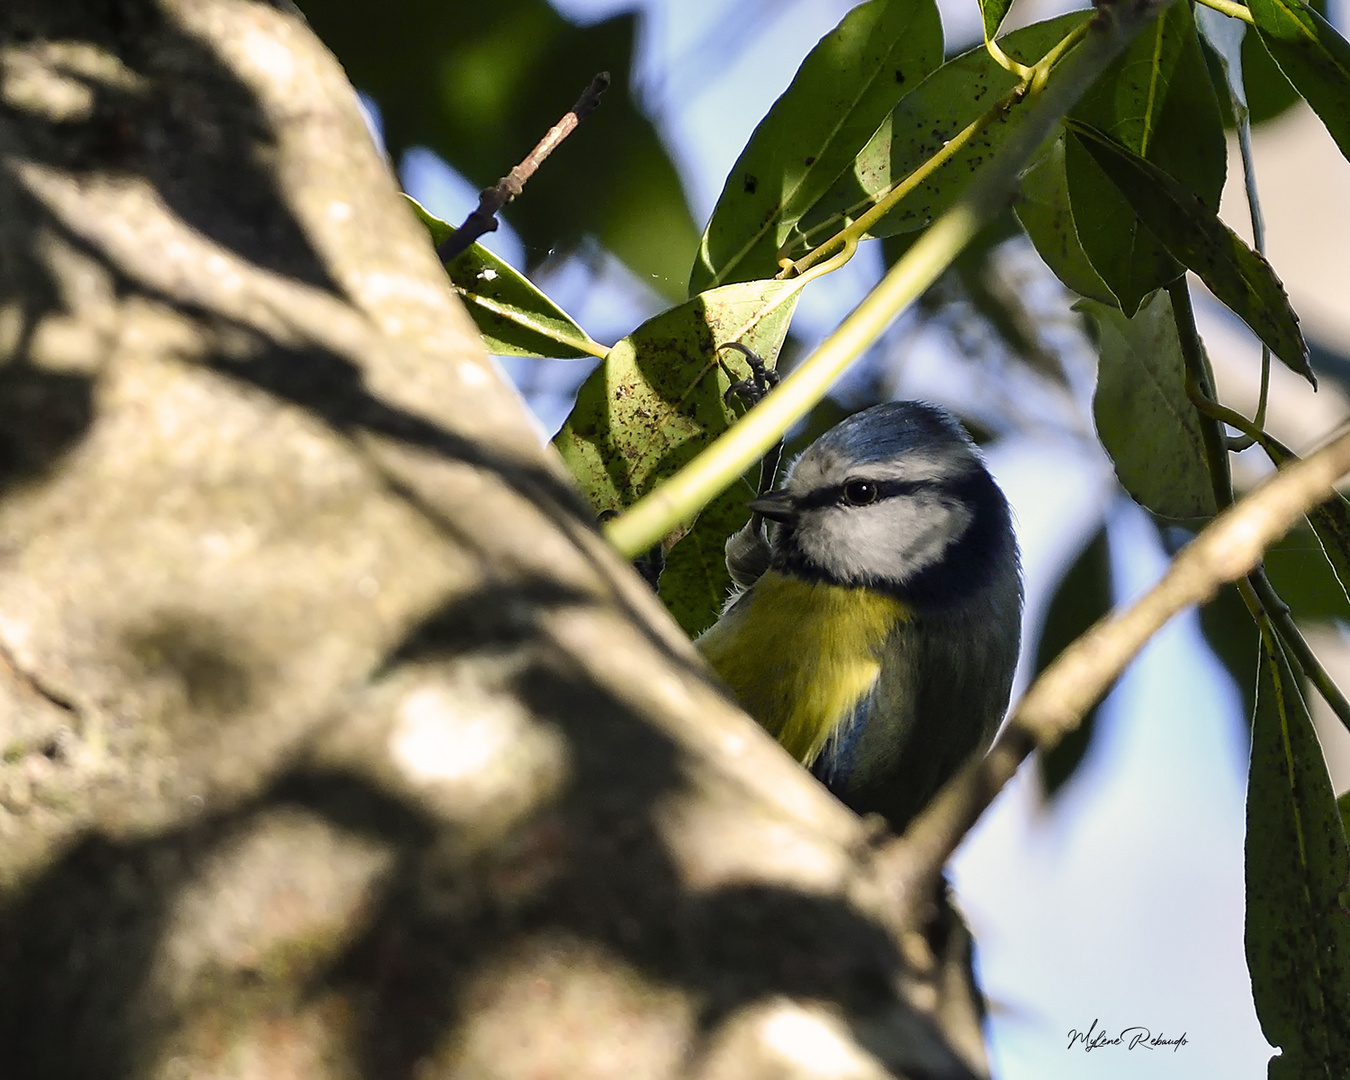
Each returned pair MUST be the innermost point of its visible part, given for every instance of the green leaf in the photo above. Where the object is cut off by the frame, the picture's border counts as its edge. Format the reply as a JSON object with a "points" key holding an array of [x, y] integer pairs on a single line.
{"points": [[949, 100], [1155, 99], [1297, 932], [1315, 58], [655, 403], [695, 582], [1268, 92], [1144, 419], [1330, 521], [1302, 573], [1193, 234], [1044, 211], [1083, 596], [992, 13], [843, 90], [1130, 260], [514, 317]]}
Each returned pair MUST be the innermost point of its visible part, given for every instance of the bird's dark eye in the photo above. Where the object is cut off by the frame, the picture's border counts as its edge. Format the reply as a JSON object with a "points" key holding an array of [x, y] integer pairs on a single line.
{"points": [[860, 492]]}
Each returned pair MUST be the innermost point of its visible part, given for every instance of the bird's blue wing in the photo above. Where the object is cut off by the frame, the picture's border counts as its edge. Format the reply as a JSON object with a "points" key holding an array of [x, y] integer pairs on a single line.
{"points": [[839, 759], [942, 691]]}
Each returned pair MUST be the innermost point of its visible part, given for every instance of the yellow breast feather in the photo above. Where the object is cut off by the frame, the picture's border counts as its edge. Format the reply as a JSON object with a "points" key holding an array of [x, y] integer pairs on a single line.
{"points": [[799, 655]]}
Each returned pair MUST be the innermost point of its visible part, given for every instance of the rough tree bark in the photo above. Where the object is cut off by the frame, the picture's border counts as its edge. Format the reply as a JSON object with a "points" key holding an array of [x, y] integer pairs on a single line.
{"points": [[334, 742]]}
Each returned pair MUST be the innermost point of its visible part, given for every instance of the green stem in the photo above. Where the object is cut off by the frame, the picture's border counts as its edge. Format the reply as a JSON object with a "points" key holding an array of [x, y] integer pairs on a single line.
{"points": [[858, 228], [680, 498], [1244, 128], [1269, 611], [1041, 70], [1232, 10], [1198, 373], [1032, 78], [1006, 62], [1278, 612], [1275, 450], [1200, 383]]}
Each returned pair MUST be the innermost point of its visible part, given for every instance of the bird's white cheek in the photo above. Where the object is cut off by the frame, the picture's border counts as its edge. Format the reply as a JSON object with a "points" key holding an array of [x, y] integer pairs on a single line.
{"points": [[890, 540], [922, 533], [832, 544]]}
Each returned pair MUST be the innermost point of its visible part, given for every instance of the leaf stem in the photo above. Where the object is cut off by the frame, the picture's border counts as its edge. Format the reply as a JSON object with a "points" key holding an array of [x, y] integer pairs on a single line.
{"points": [[1278, 612], [1244, 128], [1006, 62], [1232, 10], [857, 229], [1269, 611], [1040, 71], [1032, 79], [1200, 377], [1200, 389], [1250, 429]]}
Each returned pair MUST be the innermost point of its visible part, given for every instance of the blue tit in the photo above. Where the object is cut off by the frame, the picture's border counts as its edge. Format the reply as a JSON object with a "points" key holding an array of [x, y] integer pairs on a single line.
{"points": [[876, 626]]}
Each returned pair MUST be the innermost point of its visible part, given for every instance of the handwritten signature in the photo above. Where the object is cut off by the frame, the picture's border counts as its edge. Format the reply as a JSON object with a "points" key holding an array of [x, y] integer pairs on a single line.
{"points": [[1130, 1038]]}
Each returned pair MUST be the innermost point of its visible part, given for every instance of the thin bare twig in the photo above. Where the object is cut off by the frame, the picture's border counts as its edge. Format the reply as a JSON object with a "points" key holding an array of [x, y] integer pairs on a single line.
{"points": [[492, 200], [1225, 551]]}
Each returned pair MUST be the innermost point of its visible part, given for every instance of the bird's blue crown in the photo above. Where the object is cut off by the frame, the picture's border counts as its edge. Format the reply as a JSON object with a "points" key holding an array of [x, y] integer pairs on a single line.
{"points": [[890, 429]]}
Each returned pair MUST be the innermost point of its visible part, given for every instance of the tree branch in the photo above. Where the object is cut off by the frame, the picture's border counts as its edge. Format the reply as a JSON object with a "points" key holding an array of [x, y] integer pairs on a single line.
{"points": [[491, 200]]}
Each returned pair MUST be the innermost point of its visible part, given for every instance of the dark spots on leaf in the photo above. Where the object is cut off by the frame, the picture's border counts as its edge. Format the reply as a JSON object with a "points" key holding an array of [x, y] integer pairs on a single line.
{"points": [[899, 77], [810, 161], [751, 184]]}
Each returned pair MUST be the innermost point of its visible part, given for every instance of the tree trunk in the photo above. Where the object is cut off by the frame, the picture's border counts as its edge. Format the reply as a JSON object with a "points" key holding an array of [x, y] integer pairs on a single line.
{"points": [[334, 741]]}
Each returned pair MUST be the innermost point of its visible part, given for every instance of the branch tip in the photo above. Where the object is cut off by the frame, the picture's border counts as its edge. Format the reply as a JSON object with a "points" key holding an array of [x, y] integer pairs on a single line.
{"points": [[491, 200]]}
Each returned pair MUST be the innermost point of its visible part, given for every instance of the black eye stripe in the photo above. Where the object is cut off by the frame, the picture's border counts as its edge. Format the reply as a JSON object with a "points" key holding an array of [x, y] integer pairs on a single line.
{"points": [[885, 489]]}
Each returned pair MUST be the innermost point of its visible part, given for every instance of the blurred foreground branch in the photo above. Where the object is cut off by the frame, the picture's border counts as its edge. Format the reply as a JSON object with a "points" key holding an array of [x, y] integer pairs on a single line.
{"points": [[334, 739]]}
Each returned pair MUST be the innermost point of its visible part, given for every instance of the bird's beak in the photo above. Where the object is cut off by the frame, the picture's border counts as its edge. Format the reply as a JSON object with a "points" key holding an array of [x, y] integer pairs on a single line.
{"points": [[776, 506]]}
